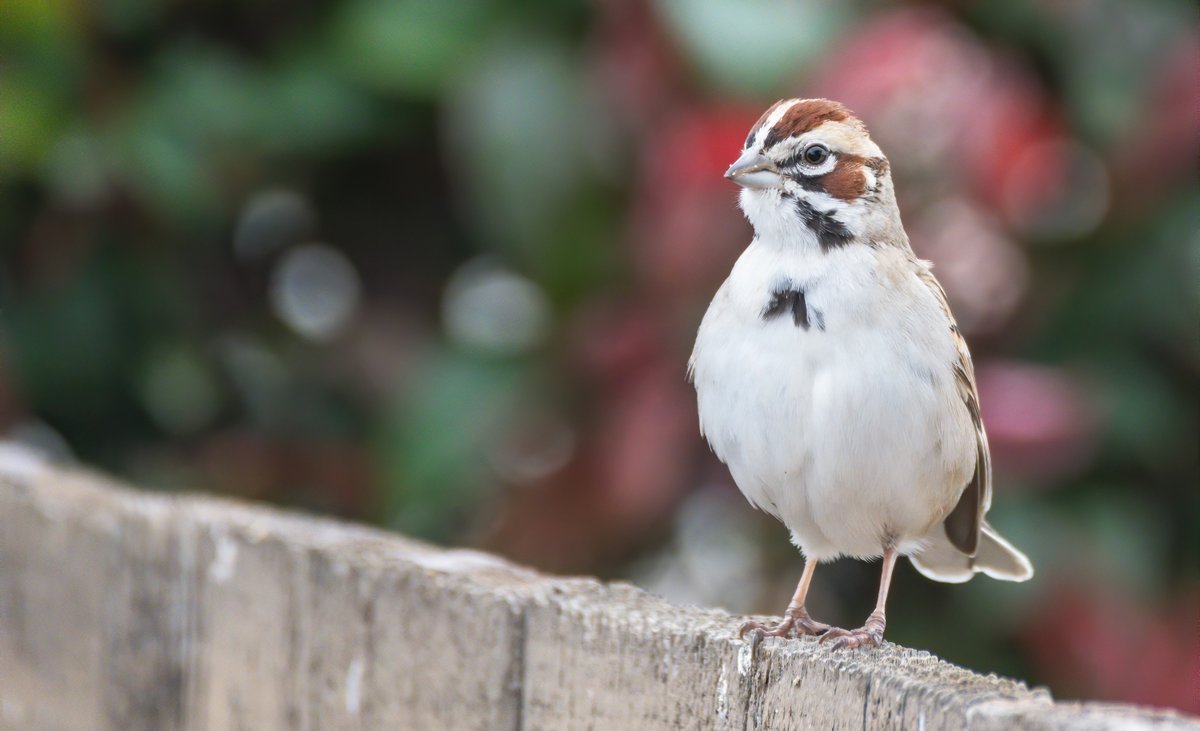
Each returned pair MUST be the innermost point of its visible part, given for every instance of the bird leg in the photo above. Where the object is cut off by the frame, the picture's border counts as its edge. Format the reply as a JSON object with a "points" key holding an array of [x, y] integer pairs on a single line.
{"points": [[871, 633], [796, 617]]}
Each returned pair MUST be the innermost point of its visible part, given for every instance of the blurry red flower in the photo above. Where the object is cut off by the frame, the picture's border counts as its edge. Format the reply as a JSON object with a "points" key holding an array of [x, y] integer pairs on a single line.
{"points": [[985, 274], [631, 466], [686, 226], [1107, 647], [947, 109], [1163, 144], [636, 65], [1040, 422]]}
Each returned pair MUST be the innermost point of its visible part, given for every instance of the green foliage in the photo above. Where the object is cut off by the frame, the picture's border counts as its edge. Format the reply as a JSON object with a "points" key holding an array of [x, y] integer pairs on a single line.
{"points": [[161, 164]]}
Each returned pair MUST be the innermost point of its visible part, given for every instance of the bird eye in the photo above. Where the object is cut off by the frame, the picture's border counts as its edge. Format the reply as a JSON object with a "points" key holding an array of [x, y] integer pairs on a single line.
{"points": [[816, 154]]}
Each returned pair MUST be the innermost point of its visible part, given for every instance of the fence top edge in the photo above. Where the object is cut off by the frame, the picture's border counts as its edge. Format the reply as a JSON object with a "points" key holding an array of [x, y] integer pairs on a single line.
{"points": [[67, 491]]}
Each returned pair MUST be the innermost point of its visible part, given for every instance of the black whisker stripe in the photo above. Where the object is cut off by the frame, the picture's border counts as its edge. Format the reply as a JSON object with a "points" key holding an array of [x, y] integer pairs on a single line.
{"points": [[809, 182], [831, 233]]}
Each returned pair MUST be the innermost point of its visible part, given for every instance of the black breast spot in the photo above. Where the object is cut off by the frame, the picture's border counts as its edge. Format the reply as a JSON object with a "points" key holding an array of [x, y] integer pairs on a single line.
{"points": [[788, 299]]}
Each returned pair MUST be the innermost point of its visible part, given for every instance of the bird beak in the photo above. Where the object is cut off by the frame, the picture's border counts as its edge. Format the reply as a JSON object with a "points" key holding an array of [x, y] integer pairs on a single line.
{"points": [[753, 170]]}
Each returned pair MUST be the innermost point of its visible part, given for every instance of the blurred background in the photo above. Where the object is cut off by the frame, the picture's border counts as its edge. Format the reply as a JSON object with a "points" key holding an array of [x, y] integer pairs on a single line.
{"points": [[437, 266]]}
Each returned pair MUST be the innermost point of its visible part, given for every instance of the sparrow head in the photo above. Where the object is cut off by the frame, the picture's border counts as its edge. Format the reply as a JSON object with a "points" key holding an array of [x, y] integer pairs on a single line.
{"points": [[809, 169]]}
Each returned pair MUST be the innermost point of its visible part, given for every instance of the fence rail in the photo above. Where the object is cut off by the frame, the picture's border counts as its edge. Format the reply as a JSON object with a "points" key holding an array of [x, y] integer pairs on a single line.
{"points": [[126, 610]]}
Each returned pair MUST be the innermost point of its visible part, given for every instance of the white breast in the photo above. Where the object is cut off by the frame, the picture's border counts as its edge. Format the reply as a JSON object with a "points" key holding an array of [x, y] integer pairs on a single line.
{"points": [[850, 431]]}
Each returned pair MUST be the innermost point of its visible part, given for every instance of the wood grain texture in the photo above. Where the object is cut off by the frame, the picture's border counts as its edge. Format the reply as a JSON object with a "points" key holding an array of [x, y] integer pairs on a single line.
{"points": [[124, 610]]}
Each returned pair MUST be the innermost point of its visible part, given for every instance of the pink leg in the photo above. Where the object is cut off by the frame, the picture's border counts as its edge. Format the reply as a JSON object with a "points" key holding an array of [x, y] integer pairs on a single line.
{"points": [[871, 633], [796, 617]]}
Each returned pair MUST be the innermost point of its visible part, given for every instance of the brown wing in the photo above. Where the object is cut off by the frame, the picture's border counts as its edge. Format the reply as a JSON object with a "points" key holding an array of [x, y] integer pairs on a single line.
{"points": [[965, 521]]}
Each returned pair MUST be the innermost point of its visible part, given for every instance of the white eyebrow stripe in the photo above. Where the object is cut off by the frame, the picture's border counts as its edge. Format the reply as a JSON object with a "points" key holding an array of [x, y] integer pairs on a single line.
{"points": [[773, 120]]}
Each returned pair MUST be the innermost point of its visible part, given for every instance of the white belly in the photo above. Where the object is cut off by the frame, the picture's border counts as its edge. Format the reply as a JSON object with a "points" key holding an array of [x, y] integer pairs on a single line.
{"points": [[852, 435]]}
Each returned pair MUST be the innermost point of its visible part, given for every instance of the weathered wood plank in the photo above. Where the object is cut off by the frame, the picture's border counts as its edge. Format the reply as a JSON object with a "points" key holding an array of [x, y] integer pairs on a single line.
{"points": [[125, 610]]}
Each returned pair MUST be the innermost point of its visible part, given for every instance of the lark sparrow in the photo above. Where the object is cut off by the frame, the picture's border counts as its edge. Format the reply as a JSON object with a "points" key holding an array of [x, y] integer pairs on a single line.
{"points": [[832, 378]]}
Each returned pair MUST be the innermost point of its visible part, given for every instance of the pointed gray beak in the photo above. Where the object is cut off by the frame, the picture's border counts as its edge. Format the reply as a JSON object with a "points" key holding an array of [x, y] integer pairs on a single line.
{"points": [[753, 170]]}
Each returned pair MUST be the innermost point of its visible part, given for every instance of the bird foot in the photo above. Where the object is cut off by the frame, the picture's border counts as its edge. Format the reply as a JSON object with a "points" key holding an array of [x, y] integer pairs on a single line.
{"points": [[794, 619], [869, 635]]}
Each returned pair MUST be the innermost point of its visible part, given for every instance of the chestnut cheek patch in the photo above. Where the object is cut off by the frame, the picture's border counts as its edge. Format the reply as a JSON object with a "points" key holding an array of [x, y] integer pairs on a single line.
{"points": [[846, 181]]}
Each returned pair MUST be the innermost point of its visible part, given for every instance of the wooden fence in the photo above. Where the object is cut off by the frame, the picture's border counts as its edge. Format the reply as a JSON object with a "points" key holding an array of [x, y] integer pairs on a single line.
{"points": [[126, 610]]}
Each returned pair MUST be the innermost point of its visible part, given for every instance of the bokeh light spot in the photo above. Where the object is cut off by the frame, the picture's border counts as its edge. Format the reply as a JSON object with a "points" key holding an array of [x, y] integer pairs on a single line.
{"points": [[491, 308], [271, 220], [178, 391], [1058, 189], [315, 290]]}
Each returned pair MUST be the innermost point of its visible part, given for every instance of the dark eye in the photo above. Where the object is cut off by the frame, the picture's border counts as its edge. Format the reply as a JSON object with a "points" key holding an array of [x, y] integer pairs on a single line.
{"points": [[816, 154]]}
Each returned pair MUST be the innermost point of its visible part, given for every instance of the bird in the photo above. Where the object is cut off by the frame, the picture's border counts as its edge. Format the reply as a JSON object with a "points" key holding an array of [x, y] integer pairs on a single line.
{"points": [[832, 379]]}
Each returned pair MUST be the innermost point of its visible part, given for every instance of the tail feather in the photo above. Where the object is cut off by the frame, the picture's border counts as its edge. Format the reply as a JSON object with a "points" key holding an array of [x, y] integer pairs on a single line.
{"points": [[995, 557]]}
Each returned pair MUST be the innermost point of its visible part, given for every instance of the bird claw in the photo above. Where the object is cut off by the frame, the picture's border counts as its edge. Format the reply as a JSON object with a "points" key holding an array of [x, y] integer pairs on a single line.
{"points": [[794, 620], [809, 626], [869, 635], [758, 630], [844, 639]]}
